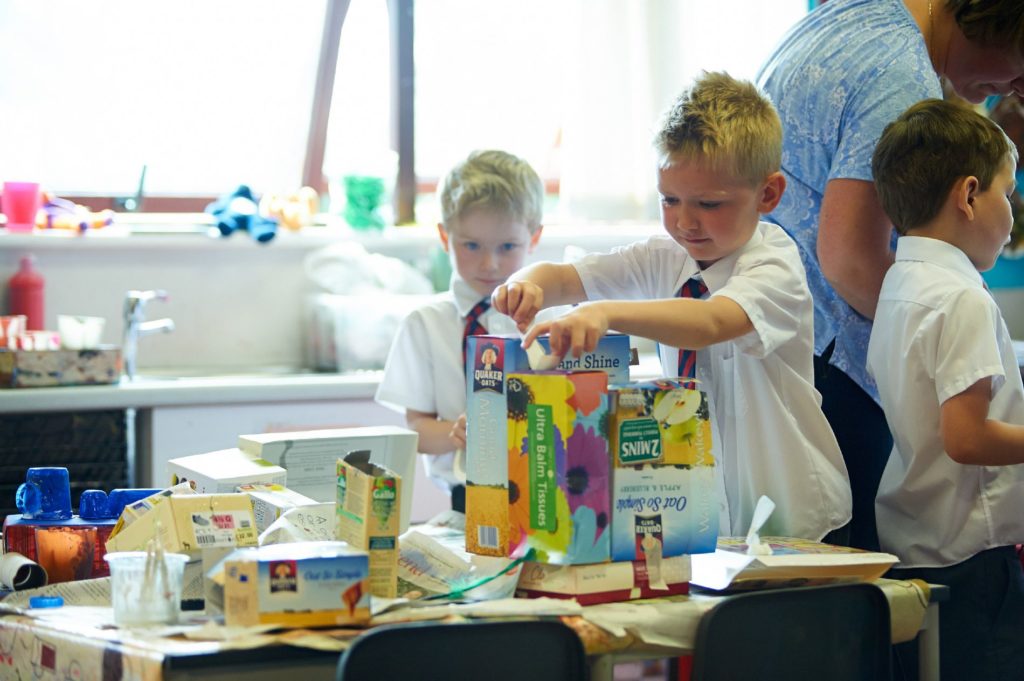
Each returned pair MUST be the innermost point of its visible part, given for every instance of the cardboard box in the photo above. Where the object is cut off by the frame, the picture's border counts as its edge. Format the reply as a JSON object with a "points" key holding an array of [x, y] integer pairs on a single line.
{"points": [[189, 522], [605, 582], [663, 511], [664, 421], [270, 501], [793, 562], [559, 469], [368, 511], [489, 359], [222, 471], [44, 368], [311, 456], [303, 584]]}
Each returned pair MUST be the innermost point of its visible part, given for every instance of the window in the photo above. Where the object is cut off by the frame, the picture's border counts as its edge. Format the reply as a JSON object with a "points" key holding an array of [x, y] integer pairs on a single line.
{"points": [[209, 95]]}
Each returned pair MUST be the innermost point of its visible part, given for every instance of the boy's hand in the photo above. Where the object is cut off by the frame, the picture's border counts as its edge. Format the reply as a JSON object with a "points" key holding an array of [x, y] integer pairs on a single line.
{"points": [[576, 332], [458, 432], [520, 300]]}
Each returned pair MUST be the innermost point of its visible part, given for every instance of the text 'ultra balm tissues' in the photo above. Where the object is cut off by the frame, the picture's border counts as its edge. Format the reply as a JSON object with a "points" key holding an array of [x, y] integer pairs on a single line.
{"points": [[489, 360]]}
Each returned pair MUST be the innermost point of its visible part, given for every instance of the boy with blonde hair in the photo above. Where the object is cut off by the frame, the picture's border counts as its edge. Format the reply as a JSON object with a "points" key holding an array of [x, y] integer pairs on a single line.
{"points": [[491, 207], [725, 296], [951, 500]]}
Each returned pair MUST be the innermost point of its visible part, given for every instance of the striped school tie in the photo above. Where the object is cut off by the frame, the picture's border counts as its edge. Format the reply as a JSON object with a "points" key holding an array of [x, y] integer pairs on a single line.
{"points": [[694, 287], [473, 326]]}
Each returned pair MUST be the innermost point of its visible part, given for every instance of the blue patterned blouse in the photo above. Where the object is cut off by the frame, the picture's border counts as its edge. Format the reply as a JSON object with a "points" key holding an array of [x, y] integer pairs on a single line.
{"points": [[838, 77]]}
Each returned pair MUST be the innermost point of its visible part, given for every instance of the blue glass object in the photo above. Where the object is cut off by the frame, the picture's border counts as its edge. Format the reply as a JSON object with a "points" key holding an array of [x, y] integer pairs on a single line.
{"points": [[45, 494]]}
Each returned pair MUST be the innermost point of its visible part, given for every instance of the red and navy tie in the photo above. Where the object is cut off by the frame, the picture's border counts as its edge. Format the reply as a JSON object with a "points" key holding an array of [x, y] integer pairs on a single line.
{"points": [[694, 287], [473, 326]]}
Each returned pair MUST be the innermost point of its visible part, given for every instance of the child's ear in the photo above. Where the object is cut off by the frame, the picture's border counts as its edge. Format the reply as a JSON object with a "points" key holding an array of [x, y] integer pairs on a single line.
{"points": [[965, 191], [443, 233], [771, 192], [535, 239]]}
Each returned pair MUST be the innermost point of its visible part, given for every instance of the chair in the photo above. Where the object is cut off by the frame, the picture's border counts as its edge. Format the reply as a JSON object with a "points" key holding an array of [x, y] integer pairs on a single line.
{"points": [[836, 632], [493, 651]]}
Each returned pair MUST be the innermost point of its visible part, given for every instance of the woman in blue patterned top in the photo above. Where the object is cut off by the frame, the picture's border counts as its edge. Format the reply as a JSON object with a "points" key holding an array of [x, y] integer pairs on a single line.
{"points": [[837, 78]]}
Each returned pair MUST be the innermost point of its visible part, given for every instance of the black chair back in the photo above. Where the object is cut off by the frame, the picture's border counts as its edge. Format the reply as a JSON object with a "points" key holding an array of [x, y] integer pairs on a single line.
{"points": [[491, 651], [836, 632]]}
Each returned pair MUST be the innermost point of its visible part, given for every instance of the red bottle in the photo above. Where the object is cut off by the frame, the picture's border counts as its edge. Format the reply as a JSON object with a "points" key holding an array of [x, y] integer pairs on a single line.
{"points": [[25, 289]]}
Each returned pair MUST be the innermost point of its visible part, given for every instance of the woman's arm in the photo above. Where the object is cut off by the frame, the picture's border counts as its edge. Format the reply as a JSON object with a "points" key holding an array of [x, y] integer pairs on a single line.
{"points": [[854, 234]]}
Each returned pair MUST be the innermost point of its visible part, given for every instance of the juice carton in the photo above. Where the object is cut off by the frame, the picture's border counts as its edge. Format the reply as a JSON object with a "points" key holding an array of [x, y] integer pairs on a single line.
{"points": [[489, 359], [664, 421], [660, 511], [368, 511], [558, 466]]}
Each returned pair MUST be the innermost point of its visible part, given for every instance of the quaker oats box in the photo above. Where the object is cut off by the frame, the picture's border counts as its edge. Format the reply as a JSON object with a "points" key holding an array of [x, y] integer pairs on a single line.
{"points": [[301, 584], [489, 359], [660, 422], [368, 512], [559, 469], [660, 511]]}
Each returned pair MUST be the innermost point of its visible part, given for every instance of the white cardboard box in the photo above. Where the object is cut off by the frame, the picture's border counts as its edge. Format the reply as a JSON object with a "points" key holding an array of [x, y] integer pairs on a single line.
{"points": [[220, 472], [311, 457]]}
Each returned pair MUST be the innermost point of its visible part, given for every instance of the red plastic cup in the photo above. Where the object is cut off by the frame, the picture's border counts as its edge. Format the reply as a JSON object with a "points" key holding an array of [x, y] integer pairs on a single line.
{"points": [[21, 202]]}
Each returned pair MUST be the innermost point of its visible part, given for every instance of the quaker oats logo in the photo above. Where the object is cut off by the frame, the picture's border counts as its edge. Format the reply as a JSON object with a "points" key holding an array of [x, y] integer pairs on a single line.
{"points": [[488, 367], [283, 576]]}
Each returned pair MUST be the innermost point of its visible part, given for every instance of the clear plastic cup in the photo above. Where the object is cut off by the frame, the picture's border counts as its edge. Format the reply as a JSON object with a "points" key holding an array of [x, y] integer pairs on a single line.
{"points": [[145, 595]]}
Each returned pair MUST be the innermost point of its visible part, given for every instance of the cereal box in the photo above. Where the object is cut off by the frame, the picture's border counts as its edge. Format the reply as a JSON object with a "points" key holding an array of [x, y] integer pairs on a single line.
{"points": [[559, 466], [489, 359], [605, 582], [664, 421], [368, 511], [302, 584], [660, 511]]}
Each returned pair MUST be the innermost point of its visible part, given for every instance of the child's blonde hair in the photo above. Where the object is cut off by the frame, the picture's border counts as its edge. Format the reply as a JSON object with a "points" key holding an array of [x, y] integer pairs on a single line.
{"points": [[926, 150], [727, 123], [495, 180]]}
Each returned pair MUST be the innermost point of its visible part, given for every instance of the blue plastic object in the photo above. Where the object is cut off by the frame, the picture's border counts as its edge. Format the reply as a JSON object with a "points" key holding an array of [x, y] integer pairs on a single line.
{"points": [[45, 494], [96, 504], [239, 211], [45, 602]]}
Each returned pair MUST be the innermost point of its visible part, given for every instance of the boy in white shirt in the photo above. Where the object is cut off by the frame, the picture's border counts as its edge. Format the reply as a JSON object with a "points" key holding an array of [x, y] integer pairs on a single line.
{"points": [[951, 500], [750, 343], [491, 207]]}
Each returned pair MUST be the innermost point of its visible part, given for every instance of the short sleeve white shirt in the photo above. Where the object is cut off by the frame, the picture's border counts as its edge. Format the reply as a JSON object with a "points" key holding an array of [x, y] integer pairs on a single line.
{"points": [[937, 332], [424, 370], [770, 434]]}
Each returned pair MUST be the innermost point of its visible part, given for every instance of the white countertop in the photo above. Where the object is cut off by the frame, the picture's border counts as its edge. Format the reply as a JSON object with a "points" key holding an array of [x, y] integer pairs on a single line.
{"points": [[162, 392]]}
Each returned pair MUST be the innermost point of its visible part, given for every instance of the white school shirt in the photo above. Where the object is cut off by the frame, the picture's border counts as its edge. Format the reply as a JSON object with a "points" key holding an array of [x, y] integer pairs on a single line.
{"points": [[770, 435], [937, 332], [424, 369]]}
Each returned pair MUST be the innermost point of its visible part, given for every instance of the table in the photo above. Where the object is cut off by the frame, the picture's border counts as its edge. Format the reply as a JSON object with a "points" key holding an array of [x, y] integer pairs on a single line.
{"points": [[78, 642]]}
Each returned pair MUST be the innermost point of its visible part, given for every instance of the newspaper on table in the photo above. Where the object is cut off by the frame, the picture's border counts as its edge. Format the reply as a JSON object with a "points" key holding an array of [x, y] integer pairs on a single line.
{"points": [[433, 562]]}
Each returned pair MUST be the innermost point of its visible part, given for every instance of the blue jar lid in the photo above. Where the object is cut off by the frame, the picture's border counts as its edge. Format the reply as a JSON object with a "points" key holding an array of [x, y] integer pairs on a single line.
{"points": [[45, 602]]}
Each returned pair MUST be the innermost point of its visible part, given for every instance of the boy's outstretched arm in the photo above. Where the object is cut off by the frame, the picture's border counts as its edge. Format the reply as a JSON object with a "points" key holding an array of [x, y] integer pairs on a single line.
{"points": [[531, 289], [436, 436], [971, 438], [678, 322]]}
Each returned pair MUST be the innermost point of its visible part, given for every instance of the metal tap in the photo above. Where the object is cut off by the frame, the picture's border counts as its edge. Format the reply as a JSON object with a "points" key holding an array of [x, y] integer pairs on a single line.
{"points": [[136, 326]]}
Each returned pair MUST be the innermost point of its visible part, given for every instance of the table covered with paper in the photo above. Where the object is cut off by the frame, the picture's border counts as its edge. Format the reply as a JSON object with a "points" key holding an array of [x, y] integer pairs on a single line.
{"points": [[438, 581]]}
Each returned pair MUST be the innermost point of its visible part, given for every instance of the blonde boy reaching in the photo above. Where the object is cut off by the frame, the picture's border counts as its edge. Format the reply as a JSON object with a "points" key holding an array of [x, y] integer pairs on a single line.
{"points": [[491, 207], [951, 500], [725, 296]]}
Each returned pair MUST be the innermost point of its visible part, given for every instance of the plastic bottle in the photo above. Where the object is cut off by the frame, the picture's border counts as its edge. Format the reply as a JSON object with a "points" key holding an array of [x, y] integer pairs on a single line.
{"points": [[25, 289]]}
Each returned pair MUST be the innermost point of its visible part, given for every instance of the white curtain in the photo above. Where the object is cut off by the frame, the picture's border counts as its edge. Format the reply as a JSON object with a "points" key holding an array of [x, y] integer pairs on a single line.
{"points": [[624, 63]]}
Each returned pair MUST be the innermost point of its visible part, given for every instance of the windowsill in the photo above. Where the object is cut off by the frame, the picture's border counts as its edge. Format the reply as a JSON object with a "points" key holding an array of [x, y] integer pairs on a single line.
{"points": [[190, 229]]}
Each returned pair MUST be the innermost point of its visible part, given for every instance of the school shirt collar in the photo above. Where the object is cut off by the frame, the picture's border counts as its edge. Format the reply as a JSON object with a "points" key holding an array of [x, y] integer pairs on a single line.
{"points": [[465, 296], [939, 253], [718, 274]]}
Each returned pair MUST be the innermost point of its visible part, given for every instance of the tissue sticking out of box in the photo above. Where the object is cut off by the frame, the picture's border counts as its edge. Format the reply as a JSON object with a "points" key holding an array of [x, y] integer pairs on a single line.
{"points": [[540, 360], [763, 510]]}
